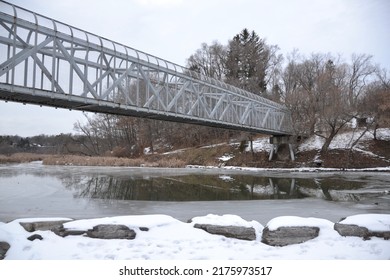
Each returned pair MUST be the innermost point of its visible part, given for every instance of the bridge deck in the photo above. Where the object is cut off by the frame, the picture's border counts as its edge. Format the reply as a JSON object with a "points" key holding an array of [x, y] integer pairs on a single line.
{"points": [[49, 63]]}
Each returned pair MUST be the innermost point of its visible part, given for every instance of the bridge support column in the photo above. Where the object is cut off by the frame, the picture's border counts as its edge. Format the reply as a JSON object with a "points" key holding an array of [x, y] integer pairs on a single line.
{"points": [[278, 142]]}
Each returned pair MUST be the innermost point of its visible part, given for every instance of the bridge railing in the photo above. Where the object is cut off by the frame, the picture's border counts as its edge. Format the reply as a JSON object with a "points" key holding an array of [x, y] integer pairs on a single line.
{"points": [[48, 62]]}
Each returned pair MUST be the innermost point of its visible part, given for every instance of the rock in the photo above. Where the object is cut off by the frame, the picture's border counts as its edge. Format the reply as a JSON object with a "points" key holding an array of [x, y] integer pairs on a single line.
{"points": [[63, 232], [289, 235], [35, 236], [359, 231], [111, 232], [4, 247], [244, 233], [42, 225], [351, 230]]}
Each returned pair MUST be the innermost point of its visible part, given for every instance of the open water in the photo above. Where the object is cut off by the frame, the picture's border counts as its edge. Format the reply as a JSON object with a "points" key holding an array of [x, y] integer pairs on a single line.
{"points": [[36, 190]]}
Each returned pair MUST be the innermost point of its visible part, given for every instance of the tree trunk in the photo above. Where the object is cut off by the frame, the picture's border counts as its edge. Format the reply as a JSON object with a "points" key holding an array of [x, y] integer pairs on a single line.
{"points": [[375, 128], [328, 140]]}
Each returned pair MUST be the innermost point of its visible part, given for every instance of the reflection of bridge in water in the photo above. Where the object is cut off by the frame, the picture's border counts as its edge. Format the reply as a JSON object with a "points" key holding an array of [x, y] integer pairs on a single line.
{"points": [[46, 62], [185, 188], [215, 188]]}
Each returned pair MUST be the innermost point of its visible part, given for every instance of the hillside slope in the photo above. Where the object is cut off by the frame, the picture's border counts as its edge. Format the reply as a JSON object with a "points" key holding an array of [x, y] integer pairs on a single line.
{"points": [[367, 153]]}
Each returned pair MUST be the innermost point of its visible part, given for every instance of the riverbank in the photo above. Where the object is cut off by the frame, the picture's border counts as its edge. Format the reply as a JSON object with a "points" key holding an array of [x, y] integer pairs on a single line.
{"points": [[367, 154]]}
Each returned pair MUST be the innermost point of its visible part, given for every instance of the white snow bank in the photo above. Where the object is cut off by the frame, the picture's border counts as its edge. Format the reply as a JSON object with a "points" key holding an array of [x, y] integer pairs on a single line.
{"points": [[227, 220], [373, 222], [292, 221], [171, 239], [325, 226], [46, 219], [149, 221]]}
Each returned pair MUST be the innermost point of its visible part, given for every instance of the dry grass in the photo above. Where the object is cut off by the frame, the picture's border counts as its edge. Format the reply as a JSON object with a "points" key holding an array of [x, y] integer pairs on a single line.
{"points": [[111, 161], [90, 161], [21, 158], [190, 156], [204, 156]]}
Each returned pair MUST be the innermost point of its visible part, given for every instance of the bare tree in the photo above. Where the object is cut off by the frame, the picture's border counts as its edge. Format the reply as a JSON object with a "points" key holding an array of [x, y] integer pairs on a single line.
{"points": [[375, 104], [360, 71], [322, 92], [334, 111], [209, 60]]}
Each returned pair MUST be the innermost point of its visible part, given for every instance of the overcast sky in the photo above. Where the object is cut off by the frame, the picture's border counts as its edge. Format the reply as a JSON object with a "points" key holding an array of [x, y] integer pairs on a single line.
{"points": [[175, 29]]}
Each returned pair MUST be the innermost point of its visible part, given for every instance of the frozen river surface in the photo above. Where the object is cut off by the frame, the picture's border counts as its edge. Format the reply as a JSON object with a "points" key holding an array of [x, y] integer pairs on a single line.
{"points": [[35, 190]]}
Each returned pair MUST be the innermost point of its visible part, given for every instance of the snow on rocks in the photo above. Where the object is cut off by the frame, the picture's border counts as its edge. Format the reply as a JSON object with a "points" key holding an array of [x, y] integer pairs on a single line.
{"points": [[46, 224], [287, 230], [228, 225], [365, 226], [163, 237]]}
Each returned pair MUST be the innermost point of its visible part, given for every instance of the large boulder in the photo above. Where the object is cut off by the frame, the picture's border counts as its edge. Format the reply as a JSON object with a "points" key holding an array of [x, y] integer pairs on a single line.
{"points": [[351, 230], [111, 232], [289, 235], [4, 247], [43, 225], [239, 232], [365, 226]]}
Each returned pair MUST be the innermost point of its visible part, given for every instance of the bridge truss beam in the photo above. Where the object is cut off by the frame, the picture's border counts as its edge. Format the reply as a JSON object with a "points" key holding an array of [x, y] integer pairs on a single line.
{"points": [[46, 62]]}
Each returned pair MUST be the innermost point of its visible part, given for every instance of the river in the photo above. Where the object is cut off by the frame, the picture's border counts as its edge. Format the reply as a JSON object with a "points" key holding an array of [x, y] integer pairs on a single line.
{"points": [[36, 190]]}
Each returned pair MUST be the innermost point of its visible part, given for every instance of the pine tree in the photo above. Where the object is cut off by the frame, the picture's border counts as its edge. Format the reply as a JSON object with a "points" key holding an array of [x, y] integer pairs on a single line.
{"points": [[247, 61]]}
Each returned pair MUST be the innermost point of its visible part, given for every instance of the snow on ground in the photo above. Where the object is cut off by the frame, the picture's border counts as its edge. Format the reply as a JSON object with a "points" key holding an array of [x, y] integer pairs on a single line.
{"points": [[226, 157], [260, 145], [168, 239], [344, 140], [341, 141]]}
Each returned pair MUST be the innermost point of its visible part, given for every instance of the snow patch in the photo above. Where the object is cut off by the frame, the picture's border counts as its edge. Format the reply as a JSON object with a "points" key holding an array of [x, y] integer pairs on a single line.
{"points": [[226, 157], [293, 221], [130, 221], [260, 145], [373, 222], [343, 140], [226, 220]]}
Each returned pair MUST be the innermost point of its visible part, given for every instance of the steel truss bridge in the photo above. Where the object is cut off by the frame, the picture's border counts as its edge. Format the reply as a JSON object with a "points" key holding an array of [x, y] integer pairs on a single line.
{"points": [[49, 63]]}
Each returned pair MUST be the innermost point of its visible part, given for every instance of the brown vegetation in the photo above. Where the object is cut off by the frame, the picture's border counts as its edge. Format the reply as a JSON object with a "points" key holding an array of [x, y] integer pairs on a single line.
{"points": [[21, 158], [210, 156], [110, 161]]}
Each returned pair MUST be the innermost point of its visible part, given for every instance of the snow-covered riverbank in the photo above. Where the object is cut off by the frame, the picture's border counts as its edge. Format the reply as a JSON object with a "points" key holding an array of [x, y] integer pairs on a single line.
{"points": [[168, 238]]}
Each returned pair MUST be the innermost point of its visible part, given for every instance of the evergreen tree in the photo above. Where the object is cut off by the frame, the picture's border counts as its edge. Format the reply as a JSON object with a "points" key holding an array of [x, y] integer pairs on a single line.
{"points": [[247, 62]]}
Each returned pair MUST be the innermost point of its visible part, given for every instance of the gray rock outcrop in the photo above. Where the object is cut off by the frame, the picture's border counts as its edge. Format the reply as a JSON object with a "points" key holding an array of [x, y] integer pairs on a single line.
{"points": [[43, 225], [244, 233], [284, 236], [111, 232], [63, 232], [359, 231]]}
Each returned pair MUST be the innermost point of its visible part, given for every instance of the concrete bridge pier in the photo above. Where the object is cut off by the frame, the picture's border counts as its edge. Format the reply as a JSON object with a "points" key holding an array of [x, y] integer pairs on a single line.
{"points": [[279, 144]]}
